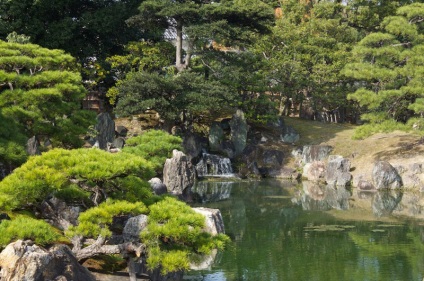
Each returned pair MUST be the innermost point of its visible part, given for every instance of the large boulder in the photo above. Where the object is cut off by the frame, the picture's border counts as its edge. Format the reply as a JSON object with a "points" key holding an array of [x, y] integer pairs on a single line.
{"points": [[59, 214], [311, 153], [216, 137], [105, 128], [133, 228], [192, 145], [23, 260], [338, 171], [314, 171], [289, 135], [214, 222], [178, 173], [239, 129], [385, 176]]}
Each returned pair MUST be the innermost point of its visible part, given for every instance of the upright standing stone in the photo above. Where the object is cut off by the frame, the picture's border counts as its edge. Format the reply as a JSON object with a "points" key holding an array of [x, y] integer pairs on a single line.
{"points": [[239, 129], [178, 173], [216, 137], [33, 146], [105, 128], [384, 175]]}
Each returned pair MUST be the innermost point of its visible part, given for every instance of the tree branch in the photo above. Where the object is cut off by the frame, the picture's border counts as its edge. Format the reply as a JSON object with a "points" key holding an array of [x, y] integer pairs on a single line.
{"points": [[99, 247]]}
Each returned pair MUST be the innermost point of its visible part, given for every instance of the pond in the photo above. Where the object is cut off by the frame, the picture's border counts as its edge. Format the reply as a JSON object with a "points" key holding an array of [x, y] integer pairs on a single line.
{"points": [[284, 231]]}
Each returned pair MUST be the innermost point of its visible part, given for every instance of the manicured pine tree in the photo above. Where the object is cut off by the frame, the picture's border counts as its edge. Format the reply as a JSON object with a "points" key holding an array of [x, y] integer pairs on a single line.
{"points": [[388, 70]]}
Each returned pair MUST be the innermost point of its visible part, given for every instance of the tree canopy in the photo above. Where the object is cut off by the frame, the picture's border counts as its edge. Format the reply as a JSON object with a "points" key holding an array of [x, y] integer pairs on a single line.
{"points": [[41, 90], [388, 68]]}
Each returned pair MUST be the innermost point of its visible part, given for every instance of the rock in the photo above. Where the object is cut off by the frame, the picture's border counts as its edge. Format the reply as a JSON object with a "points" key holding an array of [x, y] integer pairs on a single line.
{"points": [[338, 172], [59, 214], [314, 171], [412, 176], [284, 173], [239, 131], [214, 222], [364, 185], [119, 143], [133, 227], [216, 137], [227, 149], [290, 135], [273, 158], [385, 175], [158, 187], [121, 131], [105, 128], [178, 173], [33, 146], [192, 145], [23, 260], [311, 153]]}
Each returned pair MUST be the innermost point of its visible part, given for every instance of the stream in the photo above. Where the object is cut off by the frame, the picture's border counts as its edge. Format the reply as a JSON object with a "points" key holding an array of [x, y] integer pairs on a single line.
{"points": [[286, 231]]}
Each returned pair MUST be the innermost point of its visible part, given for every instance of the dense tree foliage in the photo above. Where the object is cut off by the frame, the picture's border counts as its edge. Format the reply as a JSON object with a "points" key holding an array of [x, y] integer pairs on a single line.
{"points": [[389, 68], [198, 23], [41, 90], [154, 145], [83, 28], [305, 53]]}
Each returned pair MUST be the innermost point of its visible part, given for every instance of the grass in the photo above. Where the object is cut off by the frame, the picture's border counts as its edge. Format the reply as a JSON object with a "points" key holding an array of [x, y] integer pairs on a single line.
{"points": [[399, 148]]}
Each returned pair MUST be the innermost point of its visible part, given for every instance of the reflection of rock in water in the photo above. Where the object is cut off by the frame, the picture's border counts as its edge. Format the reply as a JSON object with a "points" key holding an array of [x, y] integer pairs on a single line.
{"points": [[214, 166], [211, 191], [322, 198], [385, 202], [237, 220], [202, 262]]}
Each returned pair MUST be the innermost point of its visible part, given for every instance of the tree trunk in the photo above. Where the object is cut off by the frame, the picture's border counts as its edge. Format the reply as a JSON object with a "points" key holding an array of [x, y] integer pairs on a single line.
{"points": [[131, 269], [179, 47]]}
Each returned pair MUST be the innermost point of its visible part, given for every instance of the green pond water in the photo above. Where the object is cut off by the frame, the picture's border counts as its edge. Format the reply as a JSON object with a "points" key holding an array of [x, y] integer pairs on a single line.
{"points": [[281, 231]]}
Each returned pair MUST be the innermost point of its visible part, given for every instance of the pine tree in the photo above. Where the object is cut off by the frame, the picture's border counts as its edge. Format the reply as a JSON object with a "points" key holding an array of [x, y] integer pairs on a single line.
{"points": [[42, 91], [388, 69]]}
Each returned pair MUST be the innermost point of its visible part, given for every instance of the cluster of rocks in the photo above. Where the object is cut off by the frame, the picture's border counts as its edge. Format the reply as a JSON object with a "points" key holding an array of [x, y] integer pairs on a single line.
{"points": [[23, 260], [320, 166]]}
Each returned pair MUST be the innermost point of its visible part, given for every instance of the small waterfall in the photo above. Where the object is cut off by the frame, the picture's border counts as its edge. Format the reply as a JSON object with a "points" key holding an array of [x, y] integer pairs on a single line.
{"points": [[214, 166]]}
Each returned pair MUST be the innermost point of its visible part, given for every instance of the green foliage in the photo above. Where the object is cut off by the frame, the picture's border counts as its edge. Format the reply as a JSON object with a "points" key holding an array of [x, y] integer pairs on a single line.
{"points": [[174, 234], [92, 170], [23, 227], [42, 91], [388, 69], [303, 56], [140, 56], [170, 95], [154, 145], [17, 38], [83, 28], [97, 220]]}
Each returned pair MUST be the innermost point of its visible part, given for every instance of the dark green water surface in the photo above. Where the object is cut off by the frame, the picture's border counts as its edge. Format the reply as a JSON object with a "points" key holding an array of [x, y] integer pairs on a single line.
{"points": [[280, 231]]}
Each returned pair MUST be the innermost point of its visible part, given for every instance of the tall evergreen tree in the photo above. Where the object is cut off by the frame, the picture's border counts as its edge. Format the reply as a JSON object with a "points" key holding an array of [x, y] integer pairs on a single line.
{"points": [[389, 68]]}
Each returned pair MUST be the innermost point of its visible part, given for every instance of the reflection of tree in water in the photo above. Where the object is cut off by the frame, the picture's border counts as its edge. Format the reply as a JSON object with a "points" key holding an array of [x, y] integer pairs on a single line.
{"points": [[270, 241], [384, 202]]}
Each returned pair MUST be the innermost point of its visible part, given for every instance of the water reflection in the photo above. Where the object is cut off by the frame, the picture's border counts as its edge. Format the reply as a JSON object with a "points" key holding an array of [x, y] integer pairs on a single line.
{"points": [[285, 232]]}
